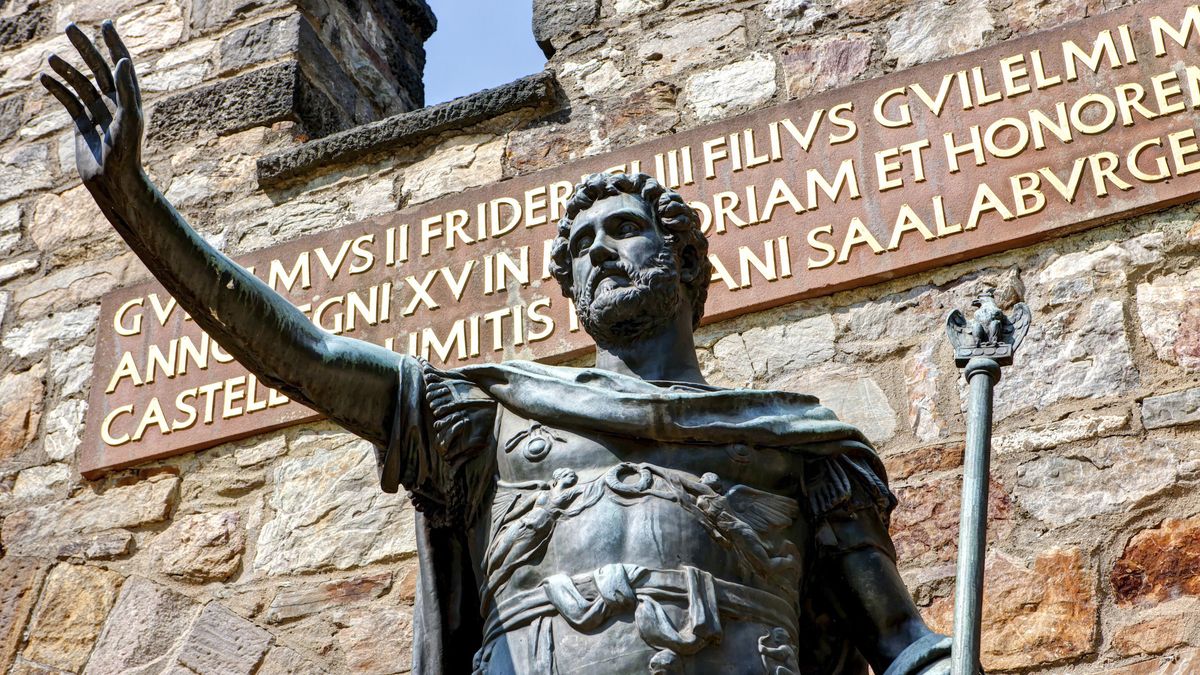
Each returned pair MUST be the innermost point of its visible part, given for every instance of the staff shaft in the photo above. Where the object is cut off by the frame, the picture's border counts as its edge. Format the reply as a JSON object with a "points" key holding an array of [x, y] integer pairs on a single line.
{"points": [[982, 375]]}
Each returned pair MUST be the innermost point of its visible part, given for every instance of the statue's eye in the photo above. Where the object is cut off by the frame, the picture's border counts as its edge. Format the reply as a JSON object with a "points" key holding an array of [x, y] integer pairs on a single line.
{"points": [[582, 243], [628, 228]]}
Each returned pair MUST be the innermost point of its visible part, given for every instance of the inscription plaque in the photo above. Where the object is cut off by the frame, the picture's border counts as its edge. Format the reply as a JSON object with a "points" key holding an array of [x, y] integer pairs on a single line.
{"points": [[952, 160]]}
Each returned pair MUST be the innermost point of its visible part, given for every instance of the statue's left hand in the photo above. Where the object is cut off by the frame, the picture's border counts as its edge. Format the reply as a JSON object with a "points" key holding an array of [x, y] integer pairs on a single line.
{"points": [[107, 114]]}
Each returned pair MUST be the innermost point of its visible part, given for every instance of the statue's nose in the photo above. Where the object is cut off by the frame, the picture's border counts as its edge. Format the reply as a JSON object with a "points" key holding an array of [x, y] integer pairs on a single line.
{"points": [[601, 251]]}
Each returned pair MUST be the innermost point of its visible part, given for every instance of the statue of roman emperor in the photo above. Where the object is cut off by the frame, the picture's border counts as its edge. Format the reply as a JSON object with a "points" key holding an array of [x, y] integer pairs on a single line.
{"points": [[625, 518]]}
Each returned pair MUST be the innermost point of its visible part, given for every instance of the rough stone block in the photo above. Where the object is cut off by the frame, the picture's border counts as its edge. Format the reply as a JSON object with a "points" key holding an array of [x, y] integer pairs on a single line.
{"points": [[1077, 427], [25, 169], [153, 27], [793, 17], [264, 41], [1169, 314], [73, 606], [1168, 410], [12, 116], [937, 29], [1080, 352], [262, 451], [1181, 662], [1032, 615], [257, 98], [921, 370], [925, 522], [10, 227], [71, 369], [20, 579], [71, 285], [20, 410], [21, 28], [103, 546], [365, 653], [555, 20], [43, 530], [145, 626], [202, 547], [293, 36], [1028, 16], [38, 484], [306, 599], [60, 219], [454, 166], [284, 661], [537, 92], [1160, 563], [917, 462], [399, 34], [207, 15], [1110, 476], [25, 667], [851, 393], [705, 40], [329, 512], [12, 270], [1159, 629], [813, 68], [223, 642], [643, 114], [731, 89]]}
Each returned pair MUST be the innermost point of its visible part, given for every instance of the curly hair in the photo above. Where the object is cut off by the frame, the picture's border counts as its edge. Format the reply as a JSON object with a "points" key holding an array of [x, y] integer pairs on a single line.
{"points": [[676, 221]]}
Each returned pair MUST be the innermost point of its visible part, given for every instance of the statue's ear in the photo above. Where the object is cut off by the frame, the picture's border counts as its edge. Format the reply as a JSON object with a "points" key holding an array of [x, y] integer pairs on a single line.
{"points": [[689, 264]]}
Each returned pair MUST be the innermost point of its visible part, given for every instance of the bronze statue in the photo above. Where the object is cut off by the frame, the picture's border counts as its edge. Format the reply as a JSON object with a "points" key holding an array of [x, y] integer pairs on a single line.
{"points": [[626, 518]]}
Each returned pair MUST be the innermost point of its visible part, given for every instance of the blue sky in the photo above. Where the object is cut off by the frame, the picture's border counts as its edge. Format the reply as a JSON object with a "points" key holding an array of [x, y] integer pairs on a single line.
{"points": [[479, 44]]}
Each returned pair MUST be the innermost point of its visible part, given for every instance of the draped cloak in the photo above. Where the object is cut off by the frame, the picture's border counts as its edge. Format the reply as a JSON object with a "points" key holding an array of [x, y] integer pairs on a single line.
{"points": [[442, 430]]}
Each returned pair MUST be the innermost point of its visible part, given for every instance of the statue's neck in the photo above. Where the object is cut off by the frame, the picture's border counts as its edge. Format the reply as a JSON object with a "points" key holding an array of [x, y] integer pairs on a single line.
{"points": [[669, 354]]}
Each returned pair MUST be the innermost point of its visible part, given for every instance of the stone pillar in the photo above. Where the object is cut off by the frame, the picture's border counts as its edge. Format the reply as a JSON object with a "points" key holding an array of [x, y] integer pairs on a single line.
{"points": [[326, 64]]}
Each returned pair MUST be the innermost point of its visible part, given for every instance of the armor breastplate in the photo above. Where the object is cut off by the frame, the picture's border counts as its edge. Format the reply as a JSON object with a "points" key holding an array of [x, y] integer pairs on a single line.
{"points": [[724, 554]]}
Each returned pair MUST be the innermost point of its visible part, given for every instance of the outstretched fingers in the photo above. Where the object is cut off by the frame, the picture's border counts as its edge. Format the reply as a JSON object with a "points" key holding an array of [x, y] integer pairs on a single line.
{"points": [[91, 56], [118, 51], [74, 108], [83, 88]]}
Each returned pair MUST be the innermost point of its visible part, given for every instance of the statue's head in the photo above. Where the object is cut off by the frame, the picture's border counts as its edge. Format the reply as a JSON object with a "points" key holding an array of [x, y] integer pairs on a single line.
{"points": [[630, 253]]}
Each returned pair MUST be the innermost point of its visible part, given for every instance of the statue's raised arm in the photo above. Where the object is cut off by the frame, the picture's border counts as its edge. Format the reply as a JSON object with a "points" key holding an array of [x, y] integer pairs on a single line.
{"points": [[352, 382]]}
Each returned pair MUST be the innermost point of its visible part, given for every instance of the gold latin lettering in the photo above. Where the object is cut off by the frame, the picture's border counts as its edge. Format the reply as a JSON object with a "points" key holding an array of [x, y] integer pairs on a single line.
{"points": [[713, 151], [858, 234], [1025, 187], [1180, 152], [125, 368], [106, 426], [908, 221], [1013, 69], [233, 393], [1160, 28], [905, 116], [986, 200], [535, 201], [1159, 162], [134, 326], [828, 249]]}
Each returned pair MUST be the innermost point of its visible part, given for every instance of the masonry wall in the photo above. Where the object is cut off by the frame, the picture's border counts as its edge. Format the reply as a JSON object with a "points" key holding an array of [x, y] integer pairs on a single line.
{"points": [[279, 554]]}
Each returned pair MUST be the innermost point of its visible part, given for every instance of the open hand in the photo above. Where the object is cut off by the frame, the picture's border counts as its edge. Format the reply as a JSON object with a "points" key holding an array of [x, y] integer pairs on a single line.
{"points": [[107, 114]]}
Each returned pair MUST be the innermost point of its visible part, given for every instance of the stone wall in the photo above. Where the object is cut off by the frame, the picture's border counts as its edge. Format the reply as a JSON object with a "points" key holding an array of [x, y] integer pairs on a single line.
{"points": [[279, 554]]}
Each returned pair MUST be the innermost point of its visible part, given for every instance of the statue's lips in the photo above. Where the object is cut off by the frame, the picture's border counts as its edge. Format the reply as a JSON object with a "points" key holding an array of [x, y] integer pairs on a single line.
{"points": [[615, 278]]}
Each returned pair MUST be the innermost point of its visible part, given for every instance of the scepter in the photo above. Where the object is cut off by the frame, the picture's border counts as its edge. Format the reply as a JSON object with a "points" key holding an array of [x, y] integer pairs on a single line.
{"points": [[982, 346]]}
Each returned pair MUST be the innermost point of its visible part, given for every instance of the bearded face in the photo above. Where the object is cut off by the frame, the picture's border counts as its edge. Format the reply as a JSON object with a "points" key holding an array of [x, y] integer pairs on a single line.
{"points": [[625, 278], [620, 303]]}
